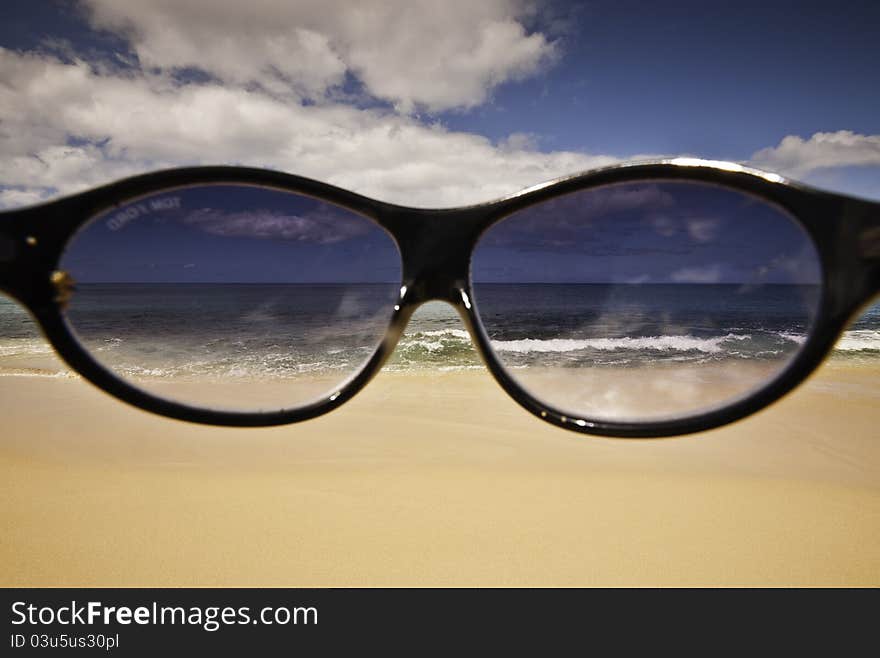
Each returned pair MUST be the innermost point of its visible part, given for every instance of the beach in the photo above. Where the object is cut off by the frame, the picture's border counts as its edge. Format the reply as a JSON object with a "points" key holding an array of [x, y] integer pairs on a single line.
{"points": [[635, 217], [436, 477]]}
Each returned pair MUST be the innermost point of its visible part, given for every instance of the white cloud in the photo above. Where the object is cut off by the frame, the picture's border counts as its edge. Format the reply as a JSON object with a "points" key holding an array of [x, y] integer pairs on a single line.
{"points": [[69, 125], [12, 198], [703, 229], [413, 53], [326, 225], [797, 157], [708, 274], [66, 127]]}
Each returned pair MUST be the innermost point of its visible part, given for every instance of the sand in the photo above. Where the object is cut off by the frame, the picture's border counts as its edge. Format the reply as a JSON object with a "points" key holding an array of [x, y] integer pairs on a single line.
{"points": [[436, 478]]}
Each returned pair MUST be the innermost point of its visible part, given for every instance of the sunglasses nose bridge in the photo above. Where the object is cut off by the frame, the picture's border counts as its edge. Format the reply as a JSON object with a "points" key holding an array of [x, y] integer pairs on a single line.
{"points": [[436, 251], [427, 285]]}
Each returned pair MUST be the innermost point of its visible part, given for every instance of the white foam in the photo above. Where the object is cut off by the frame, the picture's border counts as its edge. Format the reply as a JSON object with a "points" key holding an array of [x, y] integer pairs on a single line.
{"points": [[455, 333], [800, 339], [431, 346], [859, 340], [34, 372], [661, 343], [435, 340], [24, 347]]}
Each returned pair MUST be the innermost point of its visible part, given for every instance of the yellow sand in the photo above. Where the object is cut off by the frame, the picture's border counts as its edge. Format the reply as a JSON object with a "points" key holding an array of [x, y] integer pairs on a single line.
{"points": [[437, 479]]}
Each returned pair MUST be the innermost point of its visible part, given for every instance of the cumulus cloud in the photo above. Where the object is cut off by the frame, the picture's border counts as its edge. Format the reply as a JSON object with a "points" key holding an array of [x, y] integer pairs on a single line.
{"points": [[703, 229], [12, 198], [797, 157], [323, 226], [66, 127], [277, 95], [707, 274], [412, 53]]}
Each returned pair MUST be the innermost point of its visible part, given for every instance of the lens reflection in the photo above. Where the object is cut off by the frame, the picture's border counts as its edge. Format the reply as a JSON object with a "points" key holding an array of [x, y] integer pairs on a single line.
{"points": [[231, 296], [646, 301]]}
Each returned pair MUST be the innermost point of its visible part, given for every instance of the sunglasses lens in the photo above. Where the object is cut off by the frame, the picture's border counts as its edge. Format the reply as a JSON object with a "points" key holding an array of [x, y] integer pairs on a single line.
{"points": [[638, 302], [232, 297]]}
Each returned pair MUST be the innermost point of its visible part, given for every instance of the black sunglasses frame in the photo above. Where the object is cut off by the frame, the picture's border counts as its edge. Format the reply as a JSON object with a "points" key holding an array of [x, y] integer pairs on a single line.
{"points": [[435, 247]]}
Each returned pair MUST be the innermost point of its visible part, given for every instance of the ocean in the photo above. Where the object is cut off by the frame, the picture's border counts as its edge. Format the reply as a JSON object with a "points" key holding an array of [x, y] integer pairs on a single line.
{"points": [[280, 331]]}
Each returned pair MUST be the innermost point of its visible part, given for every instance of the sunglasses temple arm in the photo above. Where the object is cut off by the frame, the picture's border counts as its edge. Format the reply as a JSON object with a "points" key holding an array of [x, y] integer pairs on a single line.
{"points": [[869, 238], [860, 229], [22, 255], [11, 246]]}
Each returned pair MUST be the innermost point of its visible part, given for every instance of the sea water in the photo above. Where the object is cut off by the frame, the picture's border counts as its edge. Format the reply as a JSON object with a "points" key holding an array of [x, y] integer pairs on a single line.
{"points": [[286, 330]]}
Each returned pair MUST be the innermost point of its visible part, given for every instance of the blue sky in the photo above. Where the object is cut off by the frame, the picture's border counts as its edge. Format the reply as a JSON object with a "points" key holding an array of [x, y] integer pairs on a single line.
{"points": [[228, 233], [633, 233], [434, 103], [719, 79]]}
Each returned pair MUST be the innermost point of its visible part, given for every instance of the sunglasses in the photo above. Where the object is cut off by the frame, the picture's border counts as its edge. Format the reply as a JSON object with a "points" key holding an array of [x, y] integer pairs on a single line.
{"points": [[641, 300]]}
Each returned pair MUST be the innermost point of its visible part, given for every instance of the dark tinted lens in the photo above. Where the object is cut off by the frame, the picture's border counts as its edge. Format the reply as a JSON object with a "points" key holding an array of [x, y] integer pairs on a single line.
{"points": [[645, 301], [232, 296]]}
